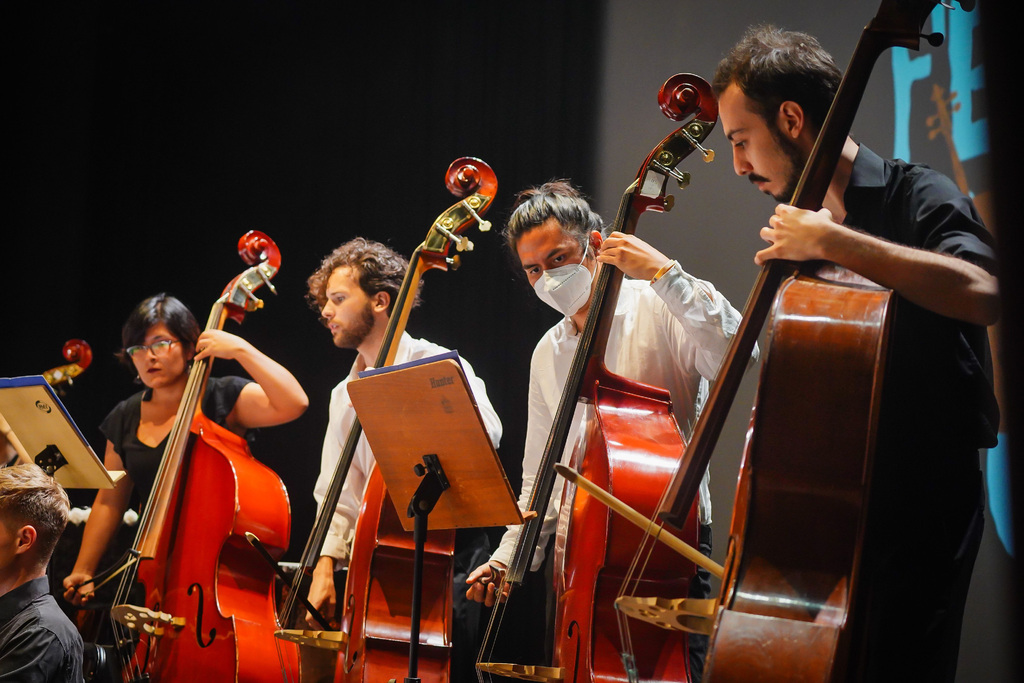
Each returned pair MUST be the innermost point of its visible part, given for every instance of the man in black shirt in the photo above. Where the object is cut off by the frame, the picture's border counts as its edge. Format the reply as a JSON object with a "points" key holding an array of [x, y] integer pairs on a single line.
{"points": [[907, 228], [37, 641]]}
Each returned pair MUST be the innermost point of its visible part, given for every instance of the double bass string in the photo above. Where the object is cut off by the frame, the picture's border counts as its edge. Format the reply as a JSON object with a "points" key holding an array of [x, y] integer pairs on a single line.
{"points": [[282, 663], [670, 96], [630, 584]]}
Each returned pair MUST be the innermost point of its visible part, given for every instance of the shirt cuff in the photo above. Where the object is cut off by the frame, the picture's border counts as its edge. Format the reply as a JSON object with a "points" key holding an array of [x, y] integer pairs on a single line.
{"points": [[675, 278], [339, 547]]}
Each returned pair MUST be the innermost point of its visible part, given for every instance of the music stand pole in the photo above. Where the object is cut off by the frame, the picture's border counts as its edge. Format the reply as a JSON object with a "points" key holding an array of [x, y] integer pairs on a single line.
{"points": [[432, 485]]}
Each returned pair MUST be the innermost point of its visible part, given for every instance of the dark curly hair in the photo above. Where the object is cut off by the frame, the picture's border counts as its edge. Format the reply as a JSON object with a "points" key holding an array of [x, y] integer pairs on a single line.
{"points": [[379, 268], [772, 66]]}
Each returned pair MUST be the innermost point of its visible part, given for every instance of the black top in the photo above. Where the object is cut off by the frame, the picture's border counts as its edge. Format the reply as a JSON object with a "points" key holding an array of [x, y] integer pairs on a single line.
{"points": [[141, 462], [938, 404], [37, 641]]}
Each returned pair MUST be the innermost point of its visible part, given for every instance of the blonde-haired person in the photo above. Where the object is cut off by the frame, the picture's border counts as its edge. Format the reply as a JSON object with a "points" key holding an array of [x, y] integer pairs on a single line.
{"points": [[37, 641]]}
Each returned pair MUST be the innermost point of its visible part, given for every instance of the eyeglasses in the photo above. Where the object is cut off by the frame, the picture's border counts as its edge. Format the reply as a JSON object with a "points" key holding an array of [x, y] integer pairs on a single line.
{"points": [[159, 348]]}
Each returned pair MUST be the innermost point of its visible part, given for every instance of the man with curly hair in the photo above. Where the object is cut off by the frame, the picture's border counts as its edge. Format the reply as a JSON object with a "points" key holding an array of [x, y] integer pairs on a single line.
{"points": [[355, 290]]}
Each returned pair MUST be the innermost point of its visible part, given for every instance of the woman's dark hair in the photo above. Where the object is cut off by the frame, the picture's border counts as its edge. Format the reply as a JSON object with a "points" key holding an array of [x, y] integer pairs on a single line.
{"points": [[159, 308]]}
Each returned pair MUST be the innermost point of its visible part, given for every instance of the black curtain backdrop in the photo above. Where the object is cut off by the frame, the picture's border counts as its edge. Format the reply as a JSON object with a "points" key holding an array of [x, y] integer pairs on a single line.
{"points": [[147, 137]]}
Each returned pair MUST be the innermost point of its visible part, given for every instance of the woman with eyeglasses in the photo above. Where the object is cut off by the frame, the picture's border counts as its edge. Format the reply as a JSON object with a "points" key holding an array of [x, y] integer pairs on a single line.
{"points": [[161, 338]]}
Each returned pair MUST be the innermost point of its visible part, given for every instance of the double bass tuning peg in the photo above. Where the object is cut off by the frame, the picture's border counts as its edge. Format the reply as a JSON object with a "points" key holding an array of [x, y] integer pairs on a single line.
{"points": [[484, 225], [461, 242], [709, 154], [934, 39], [266, 281], [682, 178]]}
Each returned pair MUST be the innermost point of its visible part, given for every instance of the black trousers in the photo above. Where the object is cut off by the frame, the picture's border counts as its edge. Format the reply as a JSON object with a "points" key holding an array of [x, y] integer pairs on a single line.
{"points": [[914, 591], [472, 549], [700, 587]]}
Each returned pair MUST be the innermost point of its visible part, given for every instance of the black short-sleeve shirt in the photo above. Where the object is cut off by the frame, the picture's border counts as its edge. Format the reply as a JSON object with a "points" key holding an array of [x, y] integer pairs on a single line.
{"points": [[121, 428], [938, 405]]}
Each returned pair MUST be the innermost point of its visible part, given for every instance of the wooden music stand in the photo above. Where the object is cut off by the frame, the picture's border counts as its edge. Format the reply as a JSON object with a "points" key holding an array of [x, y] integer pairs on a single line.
{"points": [[428, 439], [49, 435]]}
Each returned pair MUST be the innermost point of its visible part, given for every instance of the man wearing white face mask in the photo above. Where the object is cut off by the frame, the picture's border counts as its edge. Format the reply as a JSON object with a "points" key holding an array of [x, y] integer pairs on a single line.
{"points": [[670, 330], [566, 288]]}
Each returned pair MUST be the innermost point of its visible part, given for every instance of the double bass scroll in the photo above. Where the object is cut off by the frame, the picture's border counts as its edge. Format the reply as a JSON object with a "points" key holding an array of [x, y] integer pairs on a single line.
{"points": [[78, 353]]}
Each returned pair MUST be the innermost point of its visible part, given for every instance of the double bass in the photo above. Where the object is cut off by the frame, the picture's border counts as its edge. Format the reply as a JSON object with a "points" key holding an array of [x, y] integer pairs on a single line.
{"points": [[209, 610], [375, 626], [630, 444], [794, 560]]}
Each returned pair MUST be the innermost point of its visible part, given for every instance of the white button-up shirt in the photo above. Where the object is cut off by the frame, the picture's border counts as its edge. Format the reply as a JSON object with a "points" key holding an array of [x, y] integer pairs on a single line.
{"points": [[671, 334]]}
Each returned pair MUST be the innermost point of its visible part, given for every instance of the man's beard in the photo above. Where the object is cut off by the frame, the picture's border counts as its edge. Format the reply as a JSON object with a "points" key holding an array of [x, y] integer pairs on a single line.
{"points": [[352, 337], [797, 161]]}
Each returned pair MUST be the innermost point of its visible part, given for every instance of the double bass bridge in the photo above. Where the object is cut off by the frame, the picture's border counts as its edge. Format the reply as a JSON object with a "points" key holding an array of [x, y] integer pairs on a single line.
{"points": [[524, 672], [693, 615]]}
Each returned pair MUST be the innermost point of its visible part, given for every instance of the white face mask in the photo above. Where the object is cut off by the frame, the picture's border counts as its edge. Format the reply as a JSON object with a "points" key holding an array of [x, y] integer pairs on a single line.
{"points": [[565, 288]]}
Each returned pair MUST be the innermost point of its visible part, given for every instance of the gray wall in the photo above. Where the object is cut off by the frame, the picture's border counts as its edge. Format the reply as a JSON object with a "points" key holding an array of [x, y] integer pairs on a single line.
{"points": [[713, 230]]}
